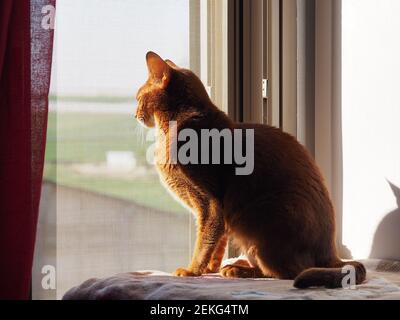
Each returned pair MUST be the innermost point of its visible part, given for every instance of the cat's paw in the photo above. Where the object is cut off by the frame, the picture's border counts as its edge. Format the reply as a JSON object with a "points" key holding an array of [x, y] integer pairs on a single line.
{"points": [[235, 271], [212, 269], [230, 271], [182, 272]]}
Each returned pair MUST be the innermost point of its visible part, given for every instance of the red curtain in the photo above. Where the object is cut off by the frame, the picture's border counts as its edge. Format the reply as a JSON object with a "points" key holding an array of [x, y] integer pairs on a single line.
{"points": [[25, 67]]}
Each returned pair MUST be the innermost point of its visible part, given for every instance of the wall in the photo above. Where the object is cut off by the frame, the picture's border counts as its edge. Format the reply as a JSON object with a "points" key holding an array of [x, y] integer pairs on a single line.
{"points": [[371, 127]]}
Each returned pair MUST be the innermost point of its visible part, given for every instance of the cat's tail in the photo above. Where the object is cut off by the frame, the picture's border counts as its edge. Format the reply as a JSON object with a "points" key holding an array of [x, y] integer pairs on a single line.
{"points": [[331, 277]]}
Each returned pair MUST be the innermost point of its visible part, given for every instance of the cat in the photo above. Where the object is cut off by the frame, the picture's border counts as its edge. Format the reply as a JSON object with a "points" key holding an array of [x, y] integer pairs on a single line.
{"points": [[280, 215]]}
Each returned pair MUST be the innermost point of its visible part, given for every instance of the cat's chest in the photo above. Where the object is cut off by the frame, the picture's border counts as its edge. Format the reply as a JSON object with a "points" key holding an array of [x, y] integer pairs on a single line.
{"points": [[162, 155], [169, 172], [178, 186]]}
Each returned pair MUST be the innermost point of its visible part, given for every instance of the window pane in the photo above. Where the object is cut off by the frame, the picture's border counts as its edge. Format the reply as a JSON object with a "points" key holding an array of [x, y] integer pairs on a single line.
{"points": [[103, 209]]}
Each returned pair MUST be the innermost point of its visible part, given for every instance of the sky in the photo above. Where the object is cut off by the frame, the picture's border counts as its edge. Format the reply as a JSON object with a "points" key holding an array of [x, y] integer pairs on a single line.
{"points": [[100, 45]]}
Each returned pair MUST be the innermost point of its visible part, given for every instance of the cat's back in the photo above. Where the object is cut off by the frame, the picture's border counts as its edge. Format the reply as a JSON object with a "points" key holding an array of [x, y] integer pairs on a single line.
{"points": [[281, 165], [265, 134], [275, 148]]}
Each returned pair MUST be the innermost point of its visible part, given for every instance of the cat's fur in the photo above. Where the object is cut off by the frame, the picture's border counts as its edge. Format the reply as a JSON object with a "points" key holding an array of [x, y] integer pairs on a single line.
{"points": [[281, 215]]}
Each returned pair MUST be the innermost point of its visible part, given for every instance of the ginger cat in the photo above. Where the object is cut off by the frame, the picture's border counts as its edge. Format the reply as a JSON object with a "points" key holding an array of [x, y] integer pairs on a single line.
{"points": [[281, 215]]}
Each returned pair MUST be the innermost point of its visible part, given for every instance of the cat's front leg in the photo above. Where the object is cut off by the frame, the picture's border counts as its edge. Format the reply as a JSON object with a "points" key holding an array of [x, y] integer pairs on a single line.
{"points": [[217, 256], [211, 230]]}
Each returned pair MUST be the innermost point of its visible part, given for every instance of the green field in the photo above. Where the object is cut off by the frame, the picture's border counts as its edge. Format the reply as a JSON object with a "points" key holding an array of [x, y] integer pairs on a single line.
{"points": [[75, 139]]}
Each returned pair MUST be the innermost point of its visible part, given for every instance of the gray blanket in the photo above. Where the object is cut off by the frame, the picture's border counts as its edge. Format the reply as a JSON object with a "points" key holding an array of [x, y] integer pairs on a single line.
{"points": [[383, 282]]}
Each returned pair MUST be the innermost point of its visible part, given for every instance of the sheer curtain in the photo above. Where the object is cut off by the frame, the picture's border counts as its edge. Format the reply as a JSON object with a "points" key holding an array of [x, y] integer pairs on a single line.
{"points": [[26, 37]]}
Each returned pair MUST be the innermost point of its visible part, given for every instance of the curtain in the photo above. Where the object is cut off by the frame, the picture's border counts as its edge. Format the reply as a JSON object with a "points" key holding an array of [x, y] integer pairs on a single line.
{"points": [[25, 65]]}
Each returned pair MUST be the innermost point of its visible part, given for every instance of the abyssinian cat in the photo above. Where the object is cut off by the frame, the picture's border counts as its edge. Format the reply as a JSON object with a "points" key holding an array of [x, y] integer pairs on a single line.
{"points": [[280, 215]]}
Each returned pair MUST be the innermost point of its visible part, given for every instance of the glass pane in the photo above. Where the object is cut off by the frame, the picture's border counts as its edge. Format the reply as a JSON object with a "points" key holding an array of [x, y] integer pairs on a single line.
{"points": [[103, 208]]}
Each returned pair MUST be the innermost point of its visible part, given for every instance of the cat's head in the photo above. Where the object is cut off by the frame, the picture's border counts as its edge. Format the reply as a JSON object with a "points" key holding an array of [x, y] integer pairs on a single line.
{"points": [[168, 89]]}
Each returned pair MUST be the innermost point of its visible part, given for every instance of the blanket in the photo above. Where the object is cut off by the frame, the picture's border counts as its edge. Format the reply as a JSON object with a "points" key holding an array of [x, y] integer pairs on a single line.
{"points": [[383, 282]]}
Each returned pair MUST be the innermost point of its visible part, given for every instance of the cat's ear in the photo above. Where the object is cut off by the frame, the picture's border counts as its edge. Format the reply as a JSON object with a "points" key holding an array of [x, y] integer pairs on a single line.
{"points": [[396, 191], [171, 64], [159, 70]]}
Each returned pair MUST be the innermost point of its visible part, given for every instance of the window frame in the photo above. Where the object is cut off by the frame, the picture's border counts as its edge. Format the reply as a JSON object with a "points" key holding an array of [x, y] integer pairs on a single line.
{"points": [[296, 47], [300, 43], [328, 104]]}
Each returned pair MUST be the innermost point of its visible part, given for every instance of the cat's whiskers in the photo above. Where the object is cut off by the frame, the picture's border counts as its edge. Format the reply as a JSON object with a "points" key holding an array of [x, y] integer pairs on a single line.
{"points": [[140, 133]]}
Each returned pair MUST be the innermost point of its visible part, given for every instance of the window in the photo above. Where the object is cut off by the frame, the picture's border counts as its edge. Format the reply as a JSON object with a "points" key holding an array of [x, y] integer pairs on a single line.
{"points": [[103, 210]]}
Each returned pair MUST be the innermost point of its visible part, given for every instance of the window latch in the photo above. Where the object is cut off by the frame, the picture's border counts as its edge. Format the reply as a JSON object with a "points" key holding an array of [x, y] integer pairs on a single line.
{"points": [[265, 88]]}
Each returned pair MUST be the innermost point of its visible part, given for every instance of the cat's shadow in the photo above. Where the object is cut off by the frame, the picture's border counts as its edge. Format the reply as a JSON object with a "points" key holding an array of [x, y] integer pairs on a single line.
{"points": [[386, 243]]}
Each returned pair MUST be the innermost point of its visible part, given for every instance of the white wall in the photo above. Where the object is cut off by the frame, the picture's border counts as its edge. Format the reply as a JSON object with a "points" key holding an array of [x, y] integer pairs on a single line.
{"points": [[371, 127]]}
